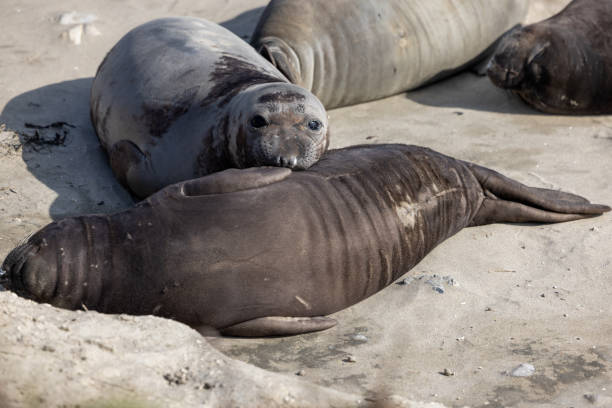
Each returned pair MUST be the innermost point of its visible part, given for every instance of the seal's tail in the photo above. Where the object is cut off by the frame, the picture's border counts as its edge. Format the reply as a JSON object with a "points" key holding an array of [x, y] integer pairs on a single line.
{"points": [[507, 200]]}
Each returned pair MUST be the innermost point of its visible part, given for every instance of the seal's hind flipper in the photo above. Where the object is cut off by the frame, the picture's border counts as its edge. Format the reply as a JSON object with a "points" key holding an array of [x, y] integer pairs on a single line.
{"points": [[232, 180], [279, 326], [508, 200]]}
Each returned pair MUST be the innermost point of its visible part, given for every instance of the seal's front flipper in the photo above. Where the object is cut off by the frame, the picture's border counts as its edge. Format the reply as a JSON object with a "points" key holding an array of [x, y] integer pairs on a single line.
{"points": [[232, 180], [281, 56], [130, 166], [279, 326], [508, 200]]}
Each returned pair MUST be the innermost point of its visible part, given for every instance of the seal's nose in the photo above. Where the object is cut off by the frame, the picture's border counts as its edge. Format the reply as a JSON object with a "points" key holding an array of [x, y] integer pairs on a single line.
{"points": [[504, 76], [287, 161], [27, 274]]}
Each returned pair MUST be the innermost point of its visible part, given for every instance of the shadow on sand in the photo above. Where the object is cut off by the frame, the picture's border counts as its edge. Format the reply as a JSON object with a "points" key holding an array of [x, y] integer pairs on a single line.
{"points": [[469, 91], [244, 24], [61, 149]]}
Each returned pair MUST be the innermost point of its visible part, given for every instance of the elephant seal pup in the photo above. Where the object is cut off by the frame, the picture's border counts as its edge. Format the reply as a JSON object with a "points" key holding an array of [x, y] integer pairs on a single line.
{"points": [[352, 51], [563, 64], [179, 98], [268, 251]]}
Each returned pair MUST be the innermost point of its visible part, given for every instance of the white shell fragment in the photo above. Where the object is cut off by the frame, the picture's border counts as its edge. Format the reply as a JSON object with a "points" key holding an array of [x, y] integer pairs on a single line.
{"points": [[523, 370], [74, 17], [75, 34], [82, 26]]}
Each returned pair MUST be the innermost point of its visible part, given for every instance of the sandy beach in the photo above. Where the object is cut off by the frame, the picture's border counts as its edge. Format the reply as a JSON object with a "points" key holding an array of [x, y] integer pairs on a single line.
{"points": [[481, 304]]}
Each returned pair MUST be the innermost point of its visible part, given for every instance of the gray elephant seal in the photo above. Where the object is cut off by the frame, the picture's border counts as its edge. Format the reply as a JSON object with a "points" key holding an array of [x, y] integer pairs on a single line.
{"points": [[352, 51], [562, 64], [268, 251], [179, 98]]}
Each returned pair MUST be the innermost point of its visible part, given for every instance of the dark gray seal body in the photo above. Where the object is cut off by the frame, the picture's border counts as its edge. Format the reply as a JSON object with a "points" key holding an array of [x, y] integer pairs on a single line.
{"points": [[267, 251], [562, 64], [179, 98], [352, 51]]}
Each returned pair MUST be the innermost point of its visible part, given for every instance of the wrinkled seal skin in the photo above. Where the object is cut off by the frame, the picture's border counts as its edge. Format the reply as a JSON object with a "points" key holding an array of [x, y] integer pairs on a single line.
{"points": [[268, 251], [179, 98], [352, 51], [563, 64]]}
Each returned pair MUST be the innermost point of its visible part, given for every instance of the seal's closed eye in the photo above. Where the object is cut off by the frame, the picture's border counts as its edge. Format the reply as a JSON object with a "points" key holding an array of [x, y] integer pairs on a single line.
{"points": [[233, 180]]}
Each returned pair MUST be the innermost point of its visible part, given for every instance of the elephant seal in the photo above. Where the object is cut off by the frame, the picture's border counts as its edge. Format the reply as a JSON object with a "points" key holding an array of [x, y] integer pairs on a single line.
{"points": [[352, 51], [561, 65], [178, 98], [268, 251]]}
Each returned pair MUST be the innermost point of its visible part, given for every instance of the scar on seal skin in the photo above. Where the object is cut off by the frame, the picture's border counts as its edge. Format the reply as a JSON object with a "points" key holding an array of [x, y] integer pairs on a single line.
{"points": [[267, 251], [561, 65], [179, 98]]}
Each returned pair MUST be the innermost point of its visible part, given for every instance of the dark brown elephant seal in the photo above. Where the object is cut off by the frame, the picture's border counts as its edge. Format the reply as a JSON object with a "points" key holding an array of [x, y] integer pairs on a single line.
{"points": [[179, 98], [268, 251], [562, 64], [352, 51]]}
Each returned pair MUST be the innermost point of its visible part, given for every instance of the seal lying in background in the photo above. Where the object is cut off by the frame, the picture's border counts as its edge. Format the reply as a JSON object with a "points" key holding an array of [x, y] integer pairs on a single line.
{"points": [[352, 51], [268, 251], [562, 64], [179, 98]]}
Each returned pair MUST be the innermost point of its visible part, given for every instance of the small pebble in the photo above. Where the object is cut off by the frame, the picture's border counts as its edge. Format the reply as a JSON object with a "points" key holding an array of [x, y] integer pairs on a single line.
{"points": [[523, 370], [488, 309], [359, 337], [301, 373], [542, 295], [405, 281], [448, 373], [349, 359], [592, 398]]}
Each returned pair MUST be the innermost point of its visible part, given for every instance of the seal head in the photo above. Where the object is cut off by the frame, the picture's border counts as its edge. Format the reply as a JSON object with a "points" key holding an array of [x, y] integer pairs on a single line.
{"points": [[518, 60], [277, 124], [560, 65]]}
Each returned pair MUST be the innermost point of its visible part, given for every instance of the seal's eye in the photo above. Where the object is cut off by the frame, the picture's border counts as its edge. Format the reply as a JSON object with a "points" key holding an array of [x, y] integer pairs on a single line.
{"points": [[314, 125], [258, 121]]}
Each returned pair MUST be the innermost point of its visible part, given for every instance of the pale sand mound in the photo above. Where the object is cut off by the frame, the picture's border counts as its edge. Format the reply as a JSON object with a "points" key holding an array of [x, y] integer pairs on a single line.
{"points": [[52, 357]]}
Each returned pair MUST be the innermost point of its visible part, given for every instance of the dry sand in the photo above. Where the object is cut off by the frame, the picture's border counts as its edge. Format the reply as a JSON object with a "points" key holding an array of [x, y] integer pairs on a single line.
{"points": [[537, 295]]}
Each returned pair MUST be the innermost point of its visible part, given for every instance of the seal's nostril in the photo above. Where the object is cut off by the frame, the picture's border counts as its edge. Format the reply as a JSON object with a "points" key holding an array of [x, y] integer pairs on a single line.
{"points": [[289, 162]]}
